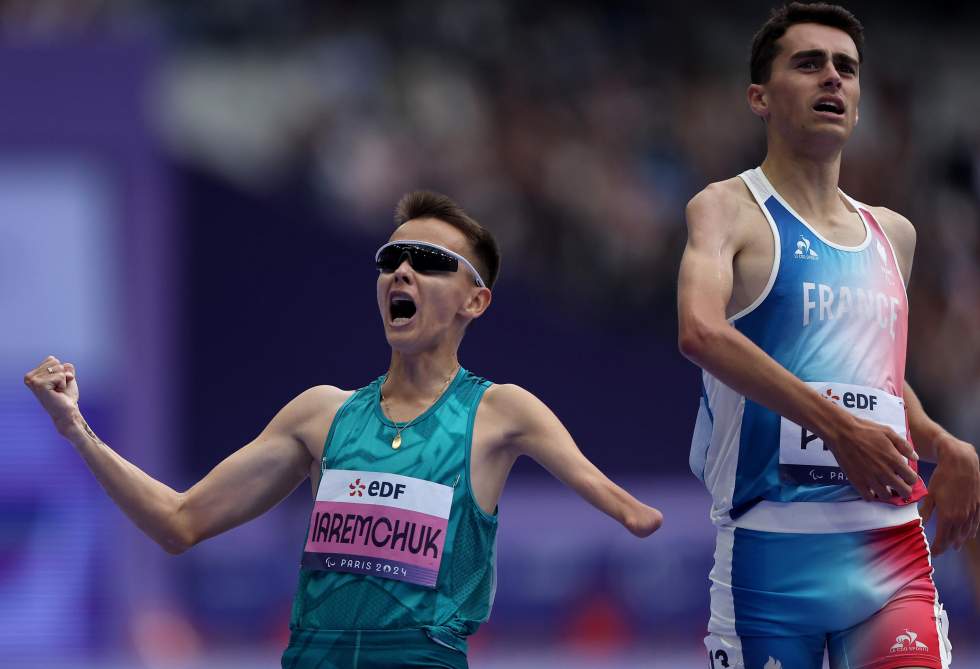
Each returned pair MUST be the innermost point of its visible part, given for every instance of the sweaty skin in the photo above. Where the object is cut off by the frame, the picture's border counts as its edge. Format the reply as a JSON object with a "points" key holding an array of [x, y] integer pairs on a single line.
{"points": [[510, 422]]}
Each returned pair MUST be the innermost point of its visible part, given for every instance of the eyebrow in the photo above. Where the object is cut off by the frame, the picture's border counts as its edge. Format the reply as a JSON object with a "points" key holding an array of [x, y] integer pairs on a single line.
{"points": [[819, 53]]}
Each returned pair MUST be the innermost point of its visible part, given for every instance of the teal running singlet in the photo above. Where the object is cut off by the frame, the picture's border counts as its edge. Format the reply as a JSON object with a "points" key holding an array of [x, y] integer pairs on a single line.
{"points": [[396, 540]]}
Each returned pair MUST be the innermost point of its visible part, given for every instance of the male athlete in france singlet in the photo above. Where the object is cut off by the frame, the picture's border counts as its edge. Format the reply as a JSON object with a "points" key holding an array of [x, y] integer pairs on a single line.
{"points": [[792, 301]]}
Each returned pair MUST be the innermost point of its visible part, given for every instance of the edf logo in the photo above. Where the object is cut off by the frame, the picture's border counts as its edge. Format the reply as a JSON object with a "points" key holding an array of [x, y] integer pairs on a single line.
{"points": [[385, 489], [859, 401]]}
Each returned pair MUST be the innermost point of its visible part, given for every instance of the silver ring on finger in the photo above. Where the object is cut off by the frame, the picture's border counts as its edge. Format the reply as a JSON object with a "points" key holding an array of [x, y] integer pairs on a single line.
{"points": [[50, 370]]}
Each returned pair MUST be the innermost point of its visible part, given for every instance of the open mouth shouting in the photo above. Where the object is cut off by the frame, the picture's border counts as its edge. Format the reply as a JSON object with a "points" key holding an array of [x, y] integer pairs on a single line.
{"points": [[401, 308]]}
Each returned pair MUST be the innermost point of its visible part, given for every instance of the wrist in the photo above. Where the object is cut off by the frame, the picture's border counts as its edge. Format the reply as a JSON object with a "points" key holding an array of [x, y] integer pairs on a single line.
{"points": [[946, 447], [831, 423], [71, 426], [930, 438]]}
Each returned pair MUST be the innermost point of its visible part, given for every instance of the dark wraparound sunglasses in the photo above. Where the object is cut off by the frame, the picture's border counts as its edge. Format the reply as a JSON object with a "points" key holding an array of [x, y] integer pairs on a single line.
{"points": [[423, 257]]}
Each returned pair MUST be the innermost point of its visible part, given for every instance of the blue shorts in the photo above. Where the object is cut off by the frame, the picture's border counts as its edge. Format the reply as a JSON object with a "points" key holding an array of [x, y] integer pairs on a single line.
{"points": [[779, 600]]}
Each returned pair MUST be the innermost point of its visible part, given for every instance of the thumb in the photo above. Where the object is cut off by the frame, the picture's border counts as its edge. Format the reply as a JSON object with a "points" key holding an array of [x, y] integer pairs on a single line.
{"points": [[927, 508]]}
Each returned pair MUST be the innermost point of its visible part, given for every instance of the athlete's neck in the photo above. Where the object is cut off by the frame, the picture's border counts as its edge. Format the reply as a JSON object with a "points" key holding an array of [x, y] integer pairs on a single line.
{"points": [[418, 378], [808, 183]]}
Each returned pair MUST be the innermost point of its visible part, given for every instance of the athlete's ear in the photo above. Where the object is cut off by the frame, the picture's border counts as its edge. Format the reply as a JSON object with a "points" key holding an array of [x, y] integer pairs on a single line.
{"points": [[758, 101], [477, 302]]}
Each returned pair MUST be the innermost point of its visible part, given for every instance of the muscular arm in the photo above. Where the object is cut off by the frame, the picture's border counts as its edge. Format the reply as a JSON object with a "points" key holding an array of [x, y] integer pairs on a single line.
{"points": [[535, 431], [954, 489], [246, 484], [869, 454], [927, 434]]}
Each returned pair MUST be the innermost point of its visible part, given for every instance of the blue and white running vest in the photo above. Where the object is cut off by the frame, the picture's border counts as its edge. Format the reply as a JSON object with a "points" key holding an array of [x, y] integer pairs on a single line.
{"points": [[837, 318]]}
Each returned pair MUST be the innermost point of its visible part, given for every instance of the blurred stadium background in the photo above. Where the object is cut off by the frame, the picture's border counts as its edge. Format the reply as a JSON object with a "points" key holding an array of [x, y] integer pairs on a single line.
{"points": [[190, 196]]}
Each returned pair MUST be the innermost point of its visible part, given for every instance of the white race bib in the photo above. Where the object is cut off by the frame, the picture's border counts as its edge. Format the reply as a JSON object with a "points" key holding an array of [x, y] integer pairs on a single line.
{"points": [[803, 457]]}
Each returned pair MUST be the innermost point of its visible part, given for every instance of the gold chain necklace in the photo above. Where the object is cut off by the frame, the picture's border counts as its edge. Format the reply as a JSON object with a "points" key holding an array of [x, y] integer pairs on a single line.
{"points": [[396, 443]]}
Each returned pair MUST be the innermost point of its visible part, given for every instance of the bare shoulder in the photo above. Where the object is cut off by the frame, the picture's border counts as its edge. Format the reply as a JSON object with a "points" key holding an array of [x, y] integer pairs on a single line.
{"points": [[511, 407], [720, 198], [896, 226], [308, 417], [504, 401], [722, 206], [509, 398], [328, 394], [320, 399], [901, 233], [311, 409]]}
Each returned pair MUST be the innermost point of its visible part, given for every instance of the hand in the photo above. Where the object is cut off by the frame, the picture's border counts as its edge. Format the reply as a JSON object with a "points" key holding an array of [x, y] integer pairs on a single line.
{"points": [[644, 521], [54, 385], [873, 457], [954, 493]]}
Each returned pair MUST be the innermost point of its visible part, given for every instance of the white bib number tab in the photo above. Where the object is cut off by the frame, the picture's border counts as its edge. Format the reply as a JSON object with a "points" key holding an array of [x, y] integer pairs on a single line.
{"points": [[803, 457]]}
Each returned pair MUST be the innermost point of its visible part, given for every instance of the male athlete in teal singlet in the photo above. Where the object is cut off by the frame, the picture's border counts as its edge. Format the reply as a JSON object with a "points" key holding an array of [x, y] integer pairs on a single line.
{"points": [[398, 567], [792, 300]]}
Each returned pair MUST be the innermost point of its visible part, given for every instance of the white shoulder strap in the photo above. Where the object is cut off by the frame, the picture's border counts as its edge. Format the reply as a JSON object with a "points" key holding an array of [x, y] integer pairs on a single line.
{"points": [[758, 185]]}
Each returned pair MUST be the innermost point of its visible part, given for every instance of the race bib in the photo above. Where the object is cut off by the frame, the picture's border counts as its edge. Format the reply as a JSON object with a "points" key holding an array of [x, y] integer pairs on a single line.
{"points": [[384, 525], [803, 457]]}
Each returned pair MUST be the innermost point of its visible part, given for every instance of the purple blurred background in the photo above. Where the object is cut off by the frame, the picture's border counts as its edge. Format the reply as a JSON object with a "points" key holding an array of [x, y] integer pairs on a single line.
{"points": [[189, 200]]}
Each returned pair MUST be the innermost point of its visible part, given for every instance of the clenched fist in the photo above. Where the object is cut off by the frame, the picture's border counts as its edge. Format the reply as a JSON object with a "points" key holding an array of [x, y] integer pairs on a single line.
{"points": [[53, 383]]}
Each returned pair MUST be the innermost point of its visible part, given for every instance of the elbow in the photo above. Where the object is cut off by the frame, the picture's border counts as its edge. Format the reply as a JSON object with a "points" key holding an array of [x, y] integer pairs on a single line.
{"points": [[696, 339], [177, 542], [174, 547], [690, 344], [179, 536]]}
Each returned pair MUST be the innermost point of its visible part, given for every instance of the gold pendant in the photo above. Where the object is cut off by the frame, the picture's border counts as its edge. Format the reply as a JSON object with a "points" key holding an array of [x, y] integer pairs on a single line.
{"points": [[396, 443]]}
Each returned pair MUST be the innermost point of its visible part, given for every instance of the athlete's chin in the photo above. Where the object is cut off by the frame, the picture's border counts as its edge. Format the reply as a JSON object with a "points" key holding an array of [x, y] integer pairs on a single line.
{"points": [[824, 139], [405, 341], [833, 129]]}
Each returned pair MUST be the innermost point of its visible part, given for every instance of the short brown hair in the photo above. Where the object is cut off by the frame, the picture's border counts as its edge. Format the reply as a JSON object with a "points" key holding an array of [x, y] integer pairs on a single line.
{"points": [[426, 204], [765, 49]]}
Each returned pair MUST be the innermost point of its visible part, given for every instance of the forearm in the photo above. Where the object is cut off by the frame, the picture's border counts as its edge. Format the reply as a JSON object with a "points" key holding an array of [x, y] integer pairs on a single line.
{"points": [[954, 487], [602, 493], [927, 434], [595, 488], [736, 361], [151, 505], [558, 454]]}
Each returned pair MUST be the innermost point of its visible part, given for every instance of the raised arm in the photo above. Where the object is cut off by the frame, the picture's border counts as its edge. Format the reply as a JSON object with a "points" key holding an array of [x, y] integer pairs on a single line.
{"points": [[243, 486], [869, 454], [535, 431], [954, 489]]}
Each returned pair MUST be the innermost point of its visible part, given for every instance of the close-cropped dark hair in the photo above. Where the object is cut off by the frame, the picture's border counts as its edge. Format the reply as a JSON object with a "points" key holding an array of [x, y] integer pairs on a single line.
{"points": [[426, 204], [765, 49]]}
